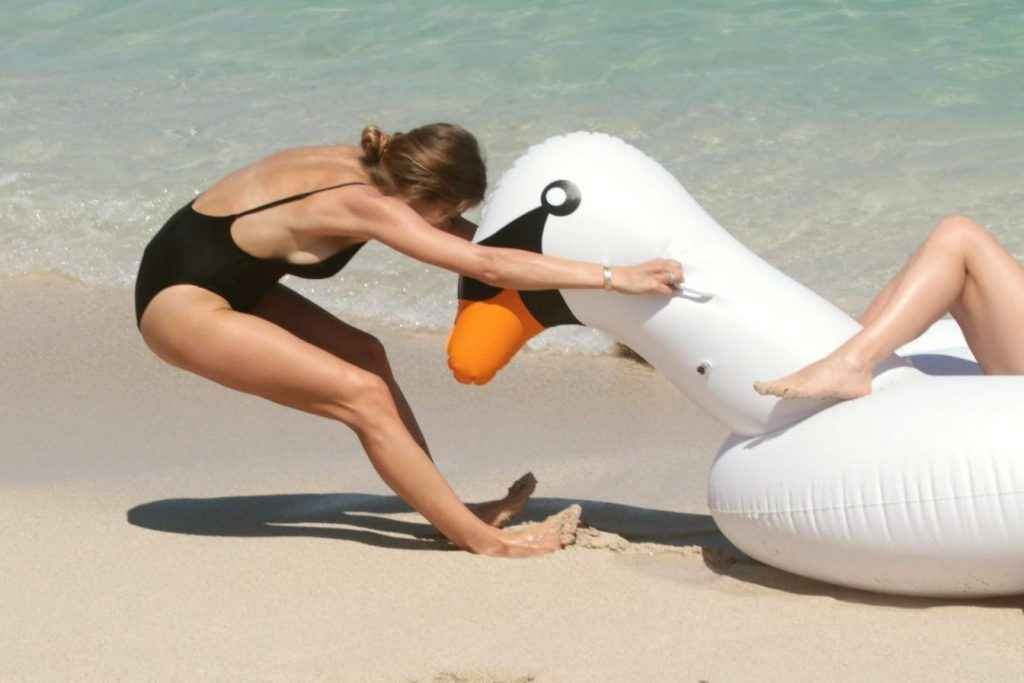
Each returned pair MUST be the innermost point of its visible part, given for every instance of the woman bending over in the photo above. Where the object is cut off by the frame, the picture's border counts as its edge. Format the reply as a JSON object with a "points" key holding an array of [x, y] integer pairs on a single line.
{"points": [[208, 300]]}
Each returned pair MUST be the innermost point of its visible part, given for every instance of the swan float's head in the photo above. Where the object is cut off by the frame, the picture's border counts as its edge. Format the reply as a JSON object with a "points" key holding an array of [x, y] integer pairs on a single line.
{"points": [[584, 196], [592, 197], [492, 323]]}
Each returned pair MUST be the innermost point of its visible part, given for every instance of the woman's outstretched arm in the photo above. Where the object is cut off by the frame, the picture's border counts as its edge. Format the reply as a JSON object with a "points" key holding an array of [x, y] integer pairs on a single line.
{"points": [[392, 222]]}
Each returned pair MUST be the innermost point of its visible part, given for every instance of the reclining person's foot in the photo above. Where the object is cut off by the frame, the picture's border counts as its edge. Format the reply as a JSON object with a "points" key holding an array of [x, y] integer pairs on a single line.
{"points": [[834, 376]]}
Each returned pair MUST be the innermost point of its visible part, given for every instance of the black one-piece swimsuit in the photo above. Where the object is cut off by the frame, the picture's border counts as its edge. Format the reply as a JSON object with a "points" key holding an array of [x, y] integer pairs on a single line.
{"points": [[196, 249]]}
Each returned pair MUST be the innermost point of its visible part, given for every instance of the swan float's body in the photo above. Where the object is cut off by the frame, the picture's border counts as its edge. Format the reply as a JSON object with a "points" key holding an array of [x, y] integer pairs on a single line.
{"points": [[917, 488]]}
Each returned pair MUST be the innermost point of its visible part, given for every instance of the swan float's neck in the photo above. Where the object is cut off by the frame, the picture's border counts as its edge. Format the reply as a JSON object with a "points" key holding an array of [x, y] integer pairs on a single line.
{"points": [[738, 320]]}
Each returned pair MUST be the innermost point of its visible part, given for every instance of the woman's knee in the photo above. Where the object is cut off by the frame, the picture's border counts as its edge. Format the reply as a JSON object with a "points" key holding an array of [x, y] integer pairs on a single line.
{"points": [[958, 231], [363, 402], [368, 353], [375, 351]]}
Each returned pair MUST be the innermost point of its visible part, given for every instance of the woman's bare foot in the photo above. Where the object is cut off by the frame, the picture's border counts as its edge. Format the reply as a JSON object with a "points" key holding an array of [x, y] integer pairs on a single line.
{"points": [[497, 513], [835, 376], [541, 538]]}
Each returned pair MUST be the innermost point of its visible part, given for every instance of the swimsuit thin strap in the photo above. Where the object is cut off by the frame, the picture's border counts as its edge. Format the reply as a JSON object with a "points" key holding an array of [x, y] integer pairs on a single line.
{"points": [[294, 197]]}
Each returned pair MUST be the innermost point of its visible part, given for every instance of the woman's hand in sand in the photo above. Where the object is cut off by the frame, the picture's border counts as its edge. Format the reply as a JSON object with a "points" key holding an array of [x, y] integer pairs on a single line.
{"points": [[539, 538], [657, 276]]}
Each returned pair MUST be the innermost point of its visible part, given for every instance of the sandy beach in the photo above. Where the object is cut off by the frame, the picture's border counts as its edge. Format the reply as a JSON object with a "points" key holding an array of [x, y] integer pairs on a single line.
{"points": [[160, 527]]}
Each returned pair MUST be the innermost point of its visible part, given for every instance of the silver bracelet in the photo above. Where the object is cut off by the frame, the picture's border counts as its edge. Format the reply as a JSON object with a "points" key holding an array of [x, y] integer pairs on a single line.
{"points": [[607, 272]]}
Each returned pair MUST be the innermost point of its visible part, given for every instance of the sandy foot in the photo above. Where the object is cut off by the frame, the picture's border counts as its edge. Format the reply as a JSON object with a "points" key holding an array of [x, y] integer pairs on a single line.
{"points": [[560, 527], [497, 513], [831, 377]]}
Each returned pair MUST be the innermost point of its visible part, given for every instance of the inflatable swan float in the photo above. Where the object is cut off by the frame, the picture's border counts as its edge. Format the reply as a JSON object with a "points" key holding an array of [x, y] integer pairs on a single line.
{"points": [[916, 489]]}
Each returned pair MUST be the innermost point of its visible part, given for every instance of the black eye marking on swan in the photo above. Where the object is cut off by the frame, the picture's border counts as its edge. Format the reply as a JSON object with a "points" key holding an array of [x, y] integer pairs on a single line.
{"points": [[558, 198], [570, 197]]}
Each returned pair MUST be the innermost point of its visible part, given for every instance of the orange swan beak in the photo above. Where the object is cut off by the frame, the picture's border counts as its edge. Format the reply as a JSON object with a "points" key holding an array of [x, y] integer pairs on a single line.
{"points": [[487, 334]]}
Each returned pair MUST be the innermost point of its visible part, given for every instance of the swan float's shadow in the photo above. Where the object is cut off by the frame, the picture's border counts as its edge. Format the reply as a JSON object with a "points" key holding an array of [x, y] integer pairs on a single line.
{"points": [[366, 518]]}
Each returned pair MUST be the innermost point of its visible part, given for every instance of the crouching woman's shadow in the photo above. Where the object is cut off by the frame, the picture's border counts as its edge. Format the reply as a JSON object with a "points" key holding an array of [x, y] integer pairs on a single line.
{"points": [[356, 517]]}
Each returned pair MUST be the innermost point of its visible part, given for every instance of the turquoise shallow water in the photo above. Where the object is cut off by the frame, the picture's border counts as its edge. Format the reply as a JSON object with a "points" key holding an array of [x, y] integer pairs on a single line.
{"points": [[828, 136]]}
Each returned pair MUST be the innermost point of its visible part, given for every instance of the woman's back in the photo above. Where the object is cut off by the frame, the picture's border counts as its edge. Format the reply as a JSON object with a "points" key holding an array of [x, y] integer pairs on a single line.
{"points": [[285, 231], [281, 174], [238, 248]]}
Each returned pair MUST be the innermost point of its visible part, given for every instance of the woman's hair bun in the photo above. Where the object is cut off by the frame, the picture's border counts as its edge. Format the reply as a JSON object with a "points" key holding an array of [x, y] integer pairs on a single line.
{"points": [[374, 142], [438, 162]]}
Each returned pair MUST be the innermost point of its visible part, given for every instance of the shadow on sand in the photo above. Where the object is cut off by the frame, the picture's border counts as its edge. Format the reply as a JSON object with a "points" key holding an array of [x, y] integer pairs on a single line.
{"points": [[363, 518]]}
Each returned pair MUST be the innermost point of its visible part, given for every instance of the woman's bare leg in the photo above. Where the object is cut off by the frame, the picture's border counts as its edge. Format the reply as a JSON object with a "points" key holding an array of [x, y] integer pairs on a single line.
{"points": [[880, 301], [287, 308], [960, 269], [194, 329]]}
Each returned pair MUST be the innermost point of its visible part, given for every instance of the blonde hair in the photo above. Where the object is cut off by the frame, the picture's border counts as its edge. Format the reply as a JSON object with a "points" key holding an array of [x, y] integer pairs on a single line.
{"points": [[436, 162]]}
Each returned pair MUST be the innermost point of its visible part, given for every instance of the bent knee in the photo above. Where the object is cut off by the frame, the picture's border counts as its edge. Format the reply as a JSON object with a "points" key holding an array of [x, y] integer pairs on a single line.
{"points": [[957, 230], [363, 402], [374, 350], [367, 352]]}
